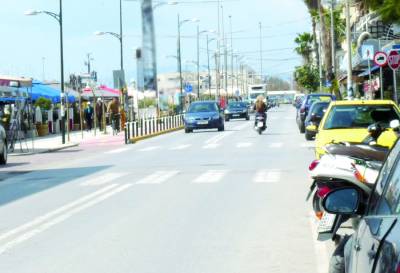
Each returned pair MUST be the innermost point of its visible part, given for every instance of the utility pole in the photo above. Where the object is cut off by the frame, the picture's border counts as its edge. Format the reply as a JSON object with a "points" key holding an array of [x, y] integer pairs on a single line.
{"points": [[261, 55], [349, 55], [180, 66], [225, 55], [88, 63], [218, 54], [208, 66], [198, 62], [230, 26], [321, 77], [333, 39]]}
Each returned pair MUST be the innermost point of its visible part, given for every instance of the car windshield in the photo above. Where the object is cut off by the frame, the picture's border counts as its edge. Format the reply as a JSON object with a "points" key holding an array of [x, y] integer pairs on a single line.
{"points": [[237, 105], [313, 99], [318, 108], [359, 116], [203, 107]]}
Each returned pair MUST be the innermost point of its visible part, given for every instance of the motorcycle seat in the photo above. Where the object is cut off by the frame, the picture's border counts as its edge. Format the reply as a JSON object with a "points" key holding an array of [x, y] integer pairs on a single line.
{"points": [[364, 152]]}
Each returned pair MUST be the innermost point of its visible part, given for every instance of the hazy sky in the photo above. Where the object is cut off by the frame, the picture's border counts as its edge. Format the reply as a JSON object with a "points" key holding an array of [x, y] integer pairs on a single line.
{"points": [[26, 40]]}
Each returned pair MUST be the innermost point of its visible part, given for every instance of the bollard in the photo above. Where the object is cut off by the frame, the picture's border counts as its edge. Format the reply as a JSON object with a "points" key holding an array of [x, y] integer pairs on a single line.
{"points": [[128, 126], [126, 135]]}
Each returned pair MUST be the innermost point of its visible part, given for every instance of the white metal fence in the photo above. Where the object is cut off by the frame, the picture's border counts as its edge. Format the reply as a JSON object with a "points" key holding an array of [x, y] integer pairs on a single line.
{"points": [[151, 126]]}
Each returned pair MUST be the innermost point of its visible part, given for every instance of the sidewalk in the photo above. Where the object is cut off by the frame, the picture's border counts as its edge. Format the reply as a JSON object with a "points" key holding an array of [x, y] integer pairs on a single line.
{"points": [[53, 142]]}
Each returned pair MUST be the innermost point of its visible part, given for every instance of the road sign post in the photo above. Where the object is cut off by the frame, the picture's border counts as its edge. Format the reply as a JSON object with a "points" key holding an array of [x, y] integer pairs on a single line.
{"points": [[381, 60], [394, 64]]}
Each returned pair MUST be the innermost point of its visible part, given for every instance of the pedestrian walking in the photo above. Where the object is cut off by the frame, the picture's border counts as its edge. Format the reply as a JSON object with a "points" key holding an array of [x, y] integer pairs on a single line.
{"points": [[99, 113], [88, 113]]}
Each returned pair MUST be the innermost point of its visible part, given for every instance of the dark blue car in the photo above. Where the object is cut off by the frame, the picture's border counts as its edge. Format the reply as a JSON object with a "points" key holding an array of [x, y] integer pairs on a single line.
{"points": [[302, 112], [204, 115]]}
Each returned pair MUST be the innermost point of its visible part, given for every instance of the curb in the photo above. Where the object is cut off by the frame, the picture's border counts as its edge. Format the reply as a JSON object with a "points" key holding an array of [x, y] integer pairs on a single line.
{"points": [[136, 139], [50, 150]]}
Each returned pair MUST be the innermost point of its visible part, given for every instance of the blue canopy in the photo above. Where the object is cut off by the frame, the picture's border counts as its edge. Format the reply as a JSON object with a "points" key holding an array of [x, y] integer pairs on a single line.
{"points": [[42, 90]]}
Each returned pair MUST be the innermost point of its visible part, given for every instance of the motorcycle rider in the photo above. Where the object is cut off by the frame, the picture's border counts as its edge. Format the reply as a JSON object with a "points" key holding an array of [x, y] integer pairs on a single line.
{"points": [[260, 107]]}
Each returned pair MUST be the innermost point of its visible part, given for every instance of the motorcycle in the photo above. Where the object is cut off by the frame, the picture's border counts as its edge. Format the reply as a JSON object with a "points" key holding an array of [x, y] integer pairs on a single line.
{"points": [[260, 124]]}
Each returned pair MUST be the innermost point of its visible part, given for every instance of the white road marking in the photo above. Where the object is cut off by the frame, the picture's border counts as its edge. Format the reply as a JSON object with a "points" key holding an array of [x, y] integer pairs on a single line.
{"points": [[212, 176], [267, 176], [148, 149], [240, 127], [117, 151], [180, 147], [215, 139], [319, 247], [244, 144], [103, 179], [211, 146], [157, 177], [61, 214], [307, 145], [276, 145]]}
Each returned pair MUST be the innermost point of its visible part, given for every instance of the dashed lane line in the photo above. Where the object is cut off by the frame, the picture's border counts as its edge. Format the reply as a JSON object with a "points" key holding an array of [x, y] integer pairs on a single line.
{"points": [[267, 176], [180, 147], [212, 176], [148, 149], [158, 177], [117, 151], [244, 144], [103, 179]]}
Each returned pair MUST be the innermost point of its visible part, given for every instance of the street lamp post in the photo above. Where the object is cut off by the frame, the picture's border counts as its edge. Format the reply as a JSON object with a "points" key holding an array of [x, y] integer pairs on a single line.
{"points": [[208, 64], [180, 23], [198, 56], [59, 18]]}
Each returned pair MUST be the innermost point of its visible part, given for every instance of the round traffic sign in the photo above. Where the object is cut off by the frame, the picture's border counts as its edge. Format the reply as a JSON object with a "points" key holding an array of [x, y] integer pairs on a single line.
{"points": [[380, 58], [394, 60]]}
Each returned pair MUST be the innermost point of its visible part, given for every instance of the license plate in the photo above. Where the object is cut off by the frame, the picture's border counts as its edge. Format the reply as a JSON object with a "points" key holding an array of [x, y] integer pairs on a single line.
{"points": [[260, 124], [202, 122], [236, 115], [326, 227]]}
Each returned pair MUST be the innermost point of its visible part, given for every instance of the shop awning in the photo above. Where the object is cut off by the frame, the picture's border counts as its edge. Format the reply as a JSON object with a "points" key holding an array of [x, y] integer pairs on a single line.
{"points": [[46, 91], [366, 72]]}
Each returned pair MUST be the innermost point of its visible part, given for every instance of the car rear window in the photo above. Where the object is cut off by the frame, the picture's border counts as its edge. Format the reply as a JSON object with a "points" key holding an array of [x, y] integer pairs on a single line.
{"points": [[237, 105], [319, 108], [313, 99], [359, 116]]}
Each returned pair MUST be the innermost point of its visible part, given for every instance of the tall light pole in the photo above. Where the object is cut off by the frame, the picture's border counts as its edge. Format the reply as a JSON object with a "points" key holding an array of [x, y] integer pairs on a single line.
{"points": [[208, 64], [180, 23], [230, 29], [349, 55], [59, 18], [261, 55], [198, 56], [333, 38]]}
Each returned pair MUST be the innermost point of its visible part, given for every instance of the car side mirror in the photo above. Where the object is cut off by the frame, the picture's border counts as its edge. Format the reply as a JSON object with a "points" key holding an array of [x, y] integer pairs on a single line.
{"points": [[395, 124], [343, 201]]}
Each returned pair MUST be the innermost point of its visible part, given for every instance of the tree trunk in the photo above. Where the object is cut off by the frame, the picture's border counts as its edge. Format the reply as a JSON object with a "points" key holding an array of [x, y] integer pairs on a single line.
{"points": [[314, 29], [326, 46]]}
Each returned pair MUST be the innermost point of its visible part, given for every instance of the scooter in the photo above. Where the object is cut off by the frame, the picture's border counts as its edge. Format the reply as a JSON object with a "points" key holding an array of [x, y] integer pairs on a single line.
{"points": [[260, 124]]}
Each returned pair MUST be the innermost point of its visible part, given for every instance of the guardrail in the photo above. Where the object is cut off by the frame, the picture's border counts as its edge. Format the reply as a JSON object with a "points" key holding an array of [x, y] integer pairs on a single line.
{"points": [[148, 127]]}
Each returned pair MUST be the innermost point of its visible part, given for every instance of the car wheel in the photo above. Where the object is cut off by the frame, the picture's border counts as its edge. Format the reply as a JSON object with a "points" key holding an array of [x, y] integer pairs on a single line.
{"points": [[222, 128], [187, 131], [226, 119], [247, 117], [3, 155], [308, 135]]}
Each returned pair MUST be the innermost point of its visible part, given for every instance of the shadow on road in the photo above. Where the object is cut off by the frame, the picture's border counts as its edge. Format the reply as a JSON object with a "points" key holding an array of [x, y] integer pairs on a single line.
{"points": [[15, 185]]}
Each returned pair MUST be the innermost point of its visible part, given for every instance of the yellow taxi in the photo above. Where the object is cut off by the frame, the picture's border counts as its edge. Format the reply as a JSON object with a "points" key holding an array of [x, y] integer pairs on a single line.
{"points": [[348, 121]]}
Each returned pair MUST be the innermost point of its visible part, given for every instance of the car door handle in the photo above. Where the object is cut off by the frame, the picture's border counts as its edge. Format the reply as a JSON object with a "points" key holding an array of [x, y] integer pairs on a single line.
{"points": [[357, 247]]}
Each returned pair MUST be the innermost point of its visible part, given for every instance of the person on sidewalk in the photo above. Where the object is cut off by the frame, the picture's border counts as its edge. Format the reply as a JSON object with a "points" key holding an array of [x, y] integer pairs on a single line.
{"points": [[88, 113], [113, 110], [99, 113]]}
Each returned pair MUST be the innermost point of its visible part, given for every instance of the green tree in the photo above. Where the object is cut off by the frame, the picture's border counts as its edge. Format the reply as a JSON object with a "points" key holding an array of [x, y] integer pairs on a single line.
{"points": [[304, 48], [307, 77], [389, 10]]}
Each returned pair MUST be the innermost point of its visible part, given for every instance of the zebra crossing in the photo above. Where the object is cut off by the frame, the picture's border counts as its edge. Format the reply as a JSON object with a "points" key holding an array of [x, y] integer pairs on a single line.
{"points": [[170, 176]]}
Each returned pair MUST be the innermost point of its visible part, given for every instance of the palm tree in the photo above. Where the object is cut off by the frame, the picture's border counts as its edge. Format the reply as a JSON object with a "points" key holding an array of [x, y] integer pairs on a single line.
{"points": [[304, 48], [312, 6]]}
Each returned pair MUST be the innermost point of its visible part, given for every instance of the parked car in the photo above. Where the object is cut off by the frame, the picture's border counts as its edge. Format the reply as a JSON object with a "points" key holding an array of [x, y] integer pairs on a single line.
{"points": [[375, 244], [348, 121], [3, 146], [314, 117], [236, 110], [204, 115], [302, 112]]}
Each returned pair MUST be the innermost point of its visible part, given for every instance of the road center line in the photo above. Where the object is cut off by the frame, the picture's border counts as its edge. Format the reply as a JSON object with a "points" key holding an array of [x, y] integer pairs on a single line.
{"points": [[117, 151], [61, 218]]}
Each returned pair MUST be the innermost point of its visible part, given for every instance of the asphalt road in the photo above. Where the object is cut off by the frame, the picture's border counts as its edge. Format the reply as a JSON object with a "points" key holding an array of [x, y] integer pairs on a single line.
{"points": [[207, 202]]}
